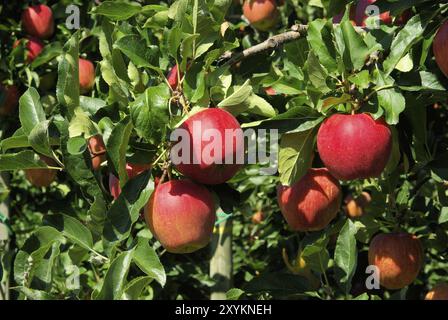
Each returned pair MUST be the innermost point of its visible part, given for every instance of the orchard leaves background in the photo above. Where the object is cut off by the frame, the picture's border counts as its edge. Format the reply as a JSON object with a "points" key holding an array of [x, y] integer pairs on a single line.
{"points": [[388, 72]]}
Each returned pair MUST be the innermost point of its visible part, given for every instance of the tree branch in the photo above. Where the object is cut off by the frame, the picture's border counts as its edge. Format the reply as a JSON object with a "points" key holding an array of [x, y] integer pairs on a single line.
{"points": [[273, 42]]}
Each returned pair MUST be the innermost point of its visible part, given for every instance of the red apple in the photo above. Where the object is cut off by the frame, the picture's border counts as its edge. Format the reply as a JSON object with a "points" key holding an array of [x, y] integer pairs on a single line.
{"points": [[86, 75], [181, 215], [9, 98], [439, 292], [355, 207], [133, 170], [354, 146], [361, 16], [398, 257], [97, 151], [311, 203], [257, 217], [210, 155], [42, 177], [440, 48], [38, 21], [173, 77], [33, 47], [262, 14]]}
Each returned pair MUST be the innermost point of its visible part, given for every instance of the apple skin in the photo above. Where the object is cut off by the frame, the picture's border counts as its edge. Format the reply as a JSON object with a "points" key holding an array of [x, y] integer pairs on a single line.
{"points": [[42, 177], [270, 91], [133, 170], [262, 14], [181, 215], [172, 77], [86, 75], [33, 47], [360, 15], [211, 173], [439, 292], [399, 258], [38, 21], [440, 48], [354, 146], [311, 203], [355, 207], [97, 151], [9, 98]]}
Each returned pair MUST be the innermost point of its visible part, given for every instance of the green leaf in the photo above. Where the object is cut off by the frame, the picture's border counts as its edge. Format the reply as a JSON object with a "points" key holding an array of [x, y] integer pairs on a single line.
{"points": [[22, 160], [234, 294], [147, 260], [404, 40], [72, 229], [355, 51], [320, 39], [115, 278], [346, 255], [443, 215], [67, 89], [138, 51], [118, 10], [135, 287], [31, 112], [295, 156], [76, 145], [117, 146], [48, 53]]}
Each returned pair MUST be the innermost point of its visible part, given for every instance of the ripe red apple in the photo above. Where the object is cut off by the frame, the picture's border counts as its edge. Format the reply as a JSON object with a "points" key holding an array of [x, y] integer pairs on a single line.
{"points": [[258, 217], [208, 153], [133, 170], [97, 151], [33, 47], [86, 75], [439, 292], [398, 257], [355, 207], [311, 203], [262, 14], [354, 146], [9, 98], [173, 77], [361, 16], [38, 21], [42, 177], [440, 48], [181, 215]]}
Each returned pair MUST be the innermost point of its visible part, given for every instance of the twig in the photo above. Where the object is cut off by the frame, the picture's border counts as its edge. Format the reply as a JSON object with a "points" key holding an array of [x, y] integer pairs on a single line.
{"points": [[272, 43]]}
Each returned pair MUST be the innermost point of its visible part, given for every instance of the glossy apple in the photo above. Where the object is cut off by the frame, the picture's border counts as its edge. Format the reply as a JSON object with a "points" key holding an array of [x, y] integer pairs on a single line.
{"points": [[86, 75], [398, 257], [9, 98], [440, 48], [355, 207], [181, 215], [213, 169], [311, 203], [439, 292], [97, 151], [42, 177], [262, 14], [354, 146], [133, 170], [33, 47], [38, 21]]}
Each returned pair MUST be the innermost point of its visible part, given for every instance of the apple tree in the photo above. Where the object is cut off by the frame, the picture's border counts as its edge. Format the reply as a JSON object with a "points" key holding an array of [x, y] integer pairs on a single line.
{"points": [[342, 194]]}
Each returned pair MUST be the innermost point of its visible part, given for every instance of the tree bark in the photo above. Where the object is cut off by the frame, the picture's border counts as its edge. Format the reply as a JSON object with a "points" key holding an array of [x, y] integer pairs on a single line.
{"points": [[221, 261], [4, 238]]}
